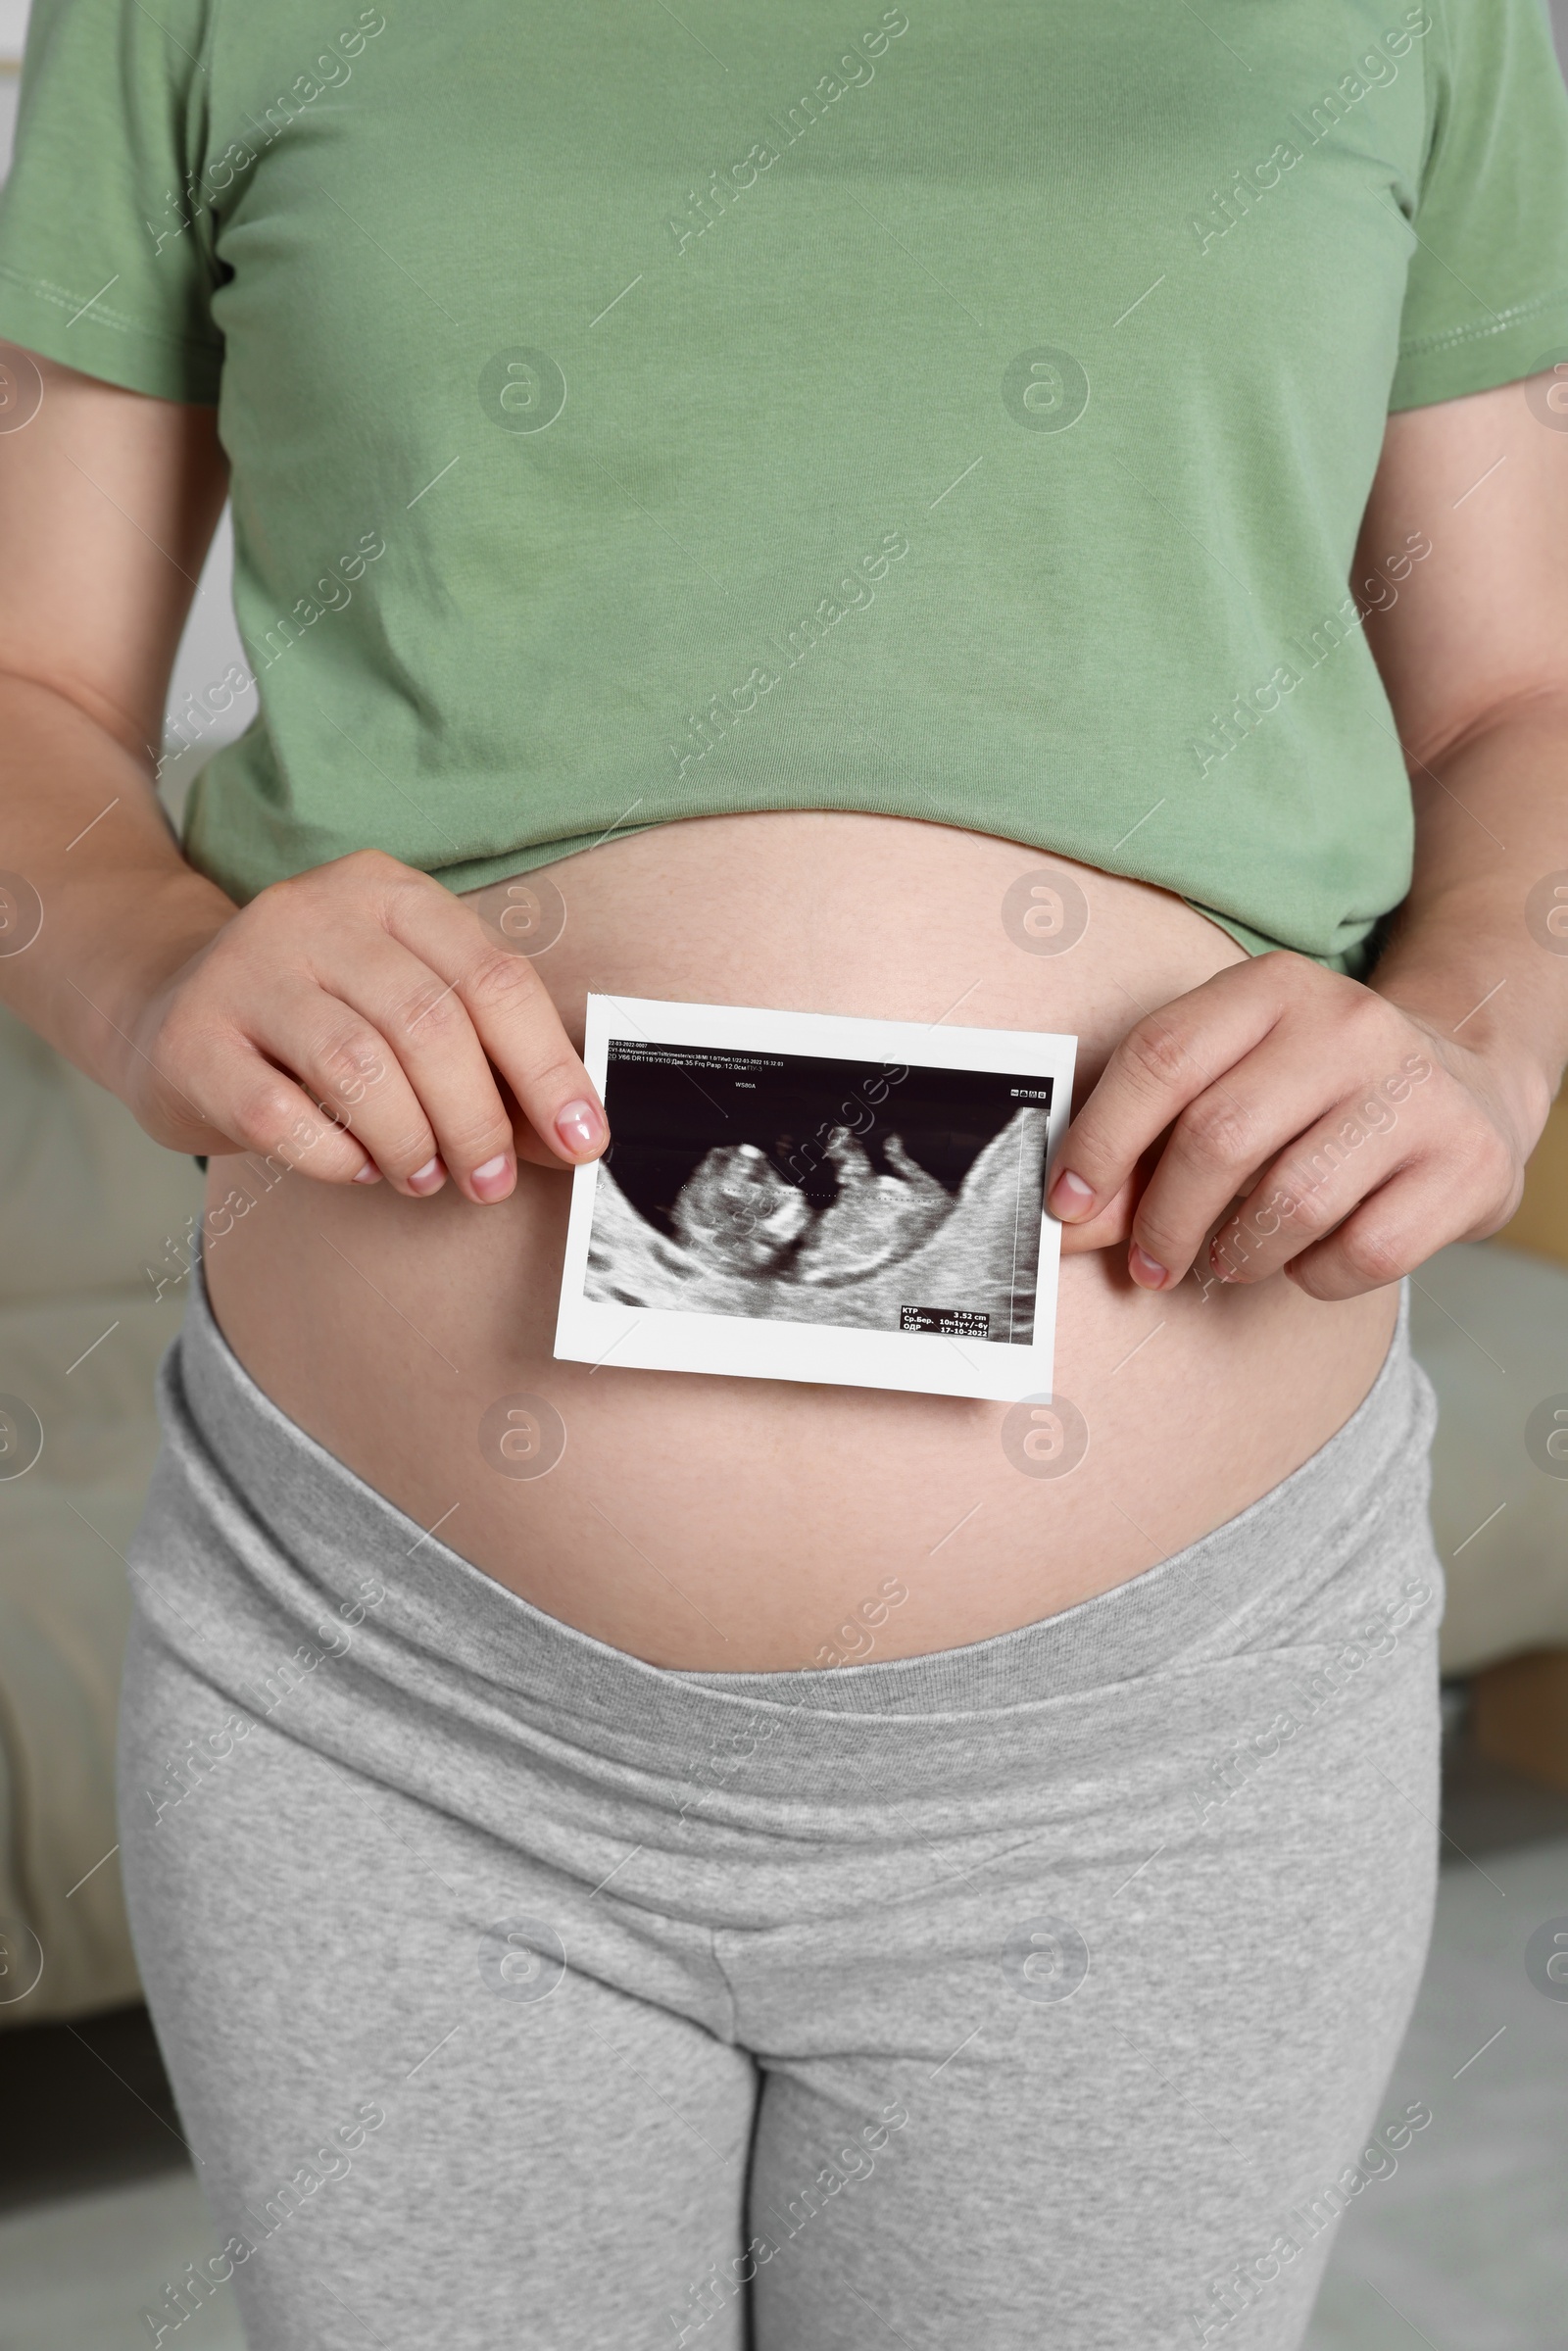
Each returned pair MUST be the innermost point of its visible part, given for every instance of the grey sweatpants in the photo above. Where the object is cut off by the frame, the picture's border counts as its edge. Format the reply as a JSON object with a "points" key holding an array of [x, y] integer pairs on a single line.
{"points": [[1041, 1993]]}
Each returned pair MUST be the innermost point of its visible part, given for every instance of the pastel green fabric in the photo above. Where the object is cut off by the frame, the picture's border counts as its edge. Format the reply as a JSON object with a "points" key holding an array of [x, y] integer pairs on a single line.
{"points": [[959, 413]]}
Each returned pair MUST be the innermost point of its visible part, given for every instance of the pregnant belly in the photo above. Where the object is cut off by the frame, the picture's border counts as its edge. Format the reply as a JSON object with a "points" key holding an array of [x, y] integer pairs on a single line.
{"points": [[748, 1525]]}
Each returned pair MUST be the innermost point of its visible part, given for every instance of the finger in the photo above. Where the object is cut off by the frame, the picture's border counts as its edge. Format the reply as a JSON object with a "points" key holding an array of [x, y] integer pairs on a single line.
{"points": [[526, 1144], [397, 1003], [1107, 1228], [514, 1016], [1219, 1145], [342, 1059], [259, 1108], [1166, 1061], [1395, 1229], [1113, 1224], [1311, 1187]]}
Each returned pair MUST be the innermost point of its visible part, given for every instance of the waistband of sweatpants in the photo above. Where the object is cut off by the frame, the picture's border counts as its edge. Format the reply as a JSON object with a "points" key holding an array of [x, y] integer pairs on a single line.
{"points": [[310, 1529]]}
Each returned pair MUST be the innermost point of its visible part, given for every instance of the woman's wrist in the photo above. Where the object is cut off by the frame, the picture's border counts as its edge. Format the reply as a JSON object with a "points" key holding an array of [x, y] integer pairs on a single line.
{"points": [[1489, 1011], [152, 923]]}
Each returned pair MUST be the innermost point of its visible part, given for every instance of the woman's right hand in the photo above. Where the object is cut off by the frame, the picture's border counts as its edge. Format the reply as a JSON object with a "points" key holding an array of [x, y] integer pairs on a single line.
{"points": [[366, 991]]}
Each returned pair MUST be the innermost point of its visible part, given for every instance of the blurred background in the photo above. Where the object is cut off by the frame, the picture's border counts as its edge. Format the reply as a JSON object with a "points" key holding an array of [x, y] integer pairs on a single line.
{"points": [[1464, 2248]]}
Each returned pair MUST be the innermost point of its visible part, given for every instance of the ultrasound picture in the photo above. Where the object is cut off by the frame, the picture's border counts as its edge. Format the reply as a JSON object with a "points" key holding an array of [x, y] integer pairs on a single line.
{"points": [[794, 1187]]}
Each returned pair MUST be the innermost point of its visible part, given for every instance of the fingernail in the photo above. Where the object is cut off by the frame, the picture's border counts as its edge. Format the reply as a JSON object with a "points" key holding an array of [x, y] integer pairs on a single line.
{"points": [[493, 1177], [1144, 1270], [428, 1178], [1069, 1194], [579, 1126], [370, 1174]]}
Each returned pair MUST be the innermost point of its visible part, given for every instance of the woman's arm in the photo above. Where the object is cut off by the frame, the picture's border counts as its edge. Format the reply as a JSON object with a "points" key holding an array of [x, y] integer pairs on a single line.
{"points": [[1474, 654], [363, 988], [1364, 1127], [108, 504]]}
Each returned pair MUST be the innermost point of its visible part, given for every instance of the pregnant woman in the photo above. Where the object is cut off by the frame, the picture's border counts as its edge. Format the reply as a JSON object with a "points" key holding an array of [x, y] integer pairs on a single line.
{"points": [[1036, 518]]}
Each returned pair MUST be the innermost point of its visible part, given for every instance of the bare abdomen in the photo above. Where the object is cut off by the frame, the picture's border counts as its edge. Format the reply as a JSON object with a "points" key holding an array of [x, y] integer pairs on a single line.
{"points": [[751, 1525]]}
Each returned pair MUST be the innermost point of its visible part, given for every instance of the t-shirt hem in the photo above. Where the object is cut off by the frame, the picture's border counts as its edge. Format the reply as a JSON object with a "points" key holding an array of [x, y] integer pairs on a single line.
{"points": [[215, 851], [478, 873], [1351, 961], [1484, 354], [50, 320]]}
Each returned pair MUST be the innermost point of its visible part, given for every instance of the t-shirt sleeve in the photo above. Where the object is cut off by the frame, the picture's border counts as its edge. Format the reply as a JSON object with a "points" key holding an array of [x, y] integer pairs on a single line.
{"points": [[105, 243], [1486, 296]]}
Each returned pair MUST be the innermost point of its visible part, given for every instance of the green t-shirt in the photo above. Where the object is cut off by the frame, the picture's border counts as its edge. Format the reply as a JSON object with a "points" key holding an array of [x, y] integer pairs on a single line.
{"points": [[956, 412]]}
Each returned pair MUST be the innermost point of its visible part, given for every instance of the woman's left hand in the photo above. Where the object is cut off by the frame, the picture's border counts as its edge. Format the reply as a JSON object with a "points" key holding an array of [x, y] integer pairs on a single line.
{"points": [[1357, 1138]]}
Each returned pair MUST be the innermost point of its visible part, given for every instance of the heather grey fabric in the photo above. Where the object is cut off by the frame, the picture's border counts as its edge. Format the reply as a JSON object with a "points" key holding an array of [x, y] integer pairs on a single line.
{"points": [[514, 1991]]}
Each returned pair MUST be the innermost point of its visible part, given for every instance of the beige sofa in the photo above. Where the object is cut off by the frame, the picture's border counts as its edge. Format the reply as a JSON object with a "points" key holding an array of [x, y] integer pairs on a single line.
{"points": [[87, 1202]]}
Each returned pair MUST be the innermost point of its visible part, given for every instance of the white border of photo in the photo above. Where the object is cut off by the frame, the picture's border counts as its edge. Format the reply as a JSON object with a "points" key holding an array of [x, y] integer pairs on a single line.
{"points": [[927, 1364]]}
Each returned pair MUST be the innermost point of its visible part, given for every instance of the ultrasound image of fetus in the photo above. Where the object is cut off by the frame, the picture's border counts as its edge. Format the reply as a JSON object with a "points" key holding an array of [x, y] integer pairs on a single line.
{"points": [[746, 1239]]}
